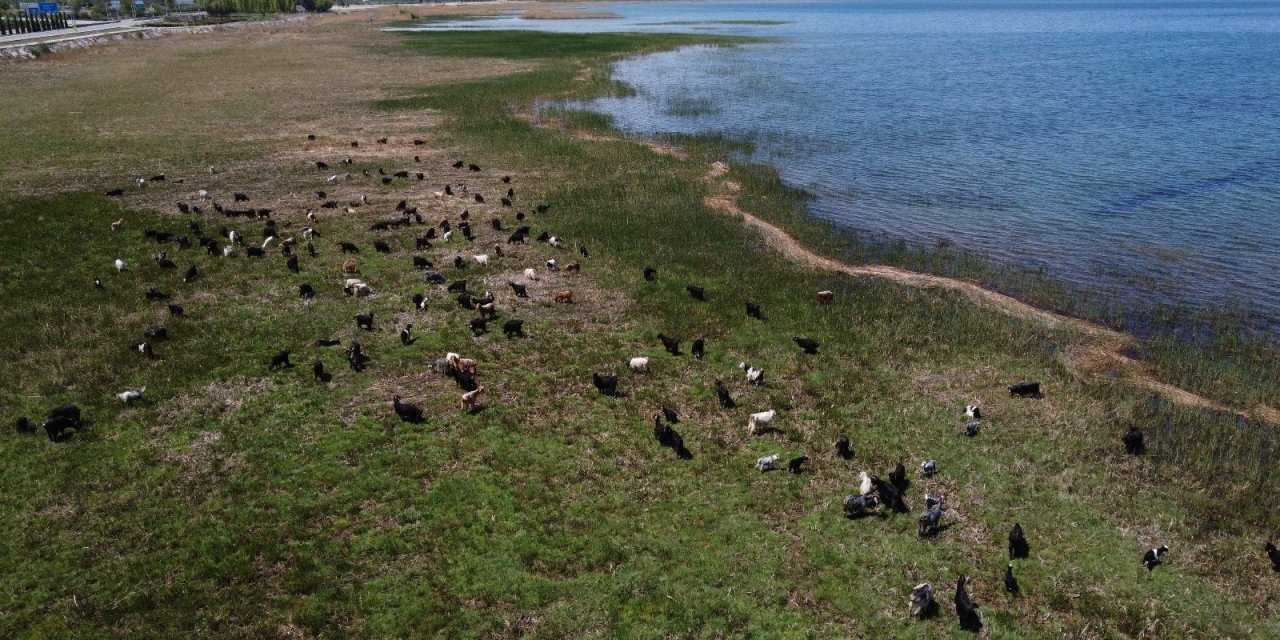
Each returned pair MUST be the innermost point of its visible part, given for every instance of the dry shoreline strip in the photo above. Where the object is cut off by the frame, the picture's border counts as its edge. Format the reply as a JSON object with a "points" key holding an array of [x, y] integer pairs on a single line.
{"points": [[1103, 353]]}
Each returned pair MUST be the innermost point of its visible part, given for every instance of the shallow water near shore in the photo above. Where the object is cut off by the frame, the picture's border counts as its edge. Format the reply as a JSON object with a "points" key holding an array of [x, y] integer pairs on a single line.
{"points": [[1131, 149]]}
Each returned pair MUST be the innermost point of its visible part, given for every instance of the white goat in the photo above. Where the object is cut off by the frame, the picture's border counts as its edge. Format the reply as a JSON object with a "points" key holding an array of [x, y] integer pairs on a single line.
{"points": [[268, 242], [530, 274], [481, 258], [766, 463], [333, 179], [121, 265], [129, 395], [758, 422], [552, 265], [639, 364], [229, 251]]}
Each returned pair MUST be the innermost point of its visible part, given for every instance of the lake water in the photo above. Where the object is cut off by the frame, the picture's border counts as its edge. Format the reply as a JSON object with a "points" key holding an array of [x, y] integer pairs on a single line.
{"points": [[1128, 147]]}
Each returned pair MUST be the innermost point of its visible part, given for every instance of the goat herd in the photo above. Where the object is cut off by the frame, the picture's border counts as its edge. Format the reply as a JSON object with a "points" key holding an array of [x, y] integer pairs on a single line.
{"points": [[872, 494]]}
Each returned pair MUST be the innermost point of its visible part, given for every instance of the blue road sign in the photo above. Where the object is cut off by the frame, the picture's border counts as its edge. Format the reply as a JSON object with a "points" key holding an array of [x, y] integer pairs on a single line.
{"points": [[48, 7]]}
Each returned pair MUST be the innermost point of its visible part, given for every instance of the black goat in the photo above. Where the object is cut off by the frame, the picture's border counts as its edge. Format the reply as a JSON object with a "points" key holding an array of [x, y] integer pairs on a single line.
{"points": [[478, 326], [408, 412], [240, 197], [699, 348], [670, 414], [155, 294], [1026, 389], [607, 385], [365, 321], [810, 346], [158, 333], [191, 275], [1133, 441], [928, 523], [889, 495], [1010, 582], [794, 465], [347, 247], [381, 247], [966, 610], [176, 310], [722, 393], [56, 426], [898, 477], [672, 345], [842, 448], [406, 334], [356, 357], [519, 290], [513, 328], [434, 277], [753, 310], [696, 293], [318, 372], [457, 286], [292, 264], [419, 302], [1018, 547], [305, 291], [280, 360], [255, 252], [1273, 554], [420, 262]]}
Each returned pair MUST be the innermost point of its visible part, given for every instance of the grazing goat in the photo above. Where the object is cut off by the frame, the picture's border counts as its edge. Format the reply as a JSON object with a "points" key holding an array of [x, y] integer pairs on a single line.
{"points": [[607, 385], [810, 346], [191, 275], [129, 395], [573, 267], [552, 265], [365, 321], [699, 348], [672, 345], [280, 360], [889, 495], [419, 302], [487, 310], [1132, 440], [1018, 547], [468, 403], [318, 372], [145, 349], [350, 266], [754, 376], [1025, 389], [406, 334], [121, 265], [478, 326], [530, 274], [842, 448], [864, 487], [650, 274], [722, 393], [753, 310], [254, 252], [115, 193], [457, 286], [57, 425], [928, 523], [766, 463], [922, 603], [155, 294], [410, 413], [1153, 556], [825, 297], [434, 277], [348, 247], [639, 365], [971, 429], [696, 293], [158, 333], [794, 465], [929, 467], [176, 311], [481, 259], [966, 610], [513, 328], [1273, 554], [666, 436], [757, 423], [381, 247], [857, 506], [328, 342], [1010, 582], [115, 226], [240, 197], [565, 297], [291, 264], [23, 425], [519, 290], [972, 412]]}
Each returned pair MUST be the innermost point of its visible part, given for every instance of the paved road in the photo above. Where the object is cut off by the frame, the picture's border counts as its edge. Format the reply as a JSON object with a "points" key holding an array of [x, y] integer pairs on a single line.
{"points": [[81, 30]]}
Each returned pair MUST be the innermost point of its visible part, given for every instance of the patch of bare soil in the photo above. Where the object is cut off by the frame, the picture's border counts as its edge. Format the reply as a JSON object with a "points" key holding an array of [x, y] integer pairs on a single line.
{"points": [[1102, 355]]}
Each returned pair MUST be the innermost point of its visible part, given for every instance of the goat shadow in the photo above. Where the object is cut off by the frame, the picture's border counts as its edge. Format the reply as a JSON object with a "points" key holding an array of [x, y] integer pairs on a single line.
{"points": [[1020, 551], [767, 430], [477, 410], [930, 611], [684, 454]]}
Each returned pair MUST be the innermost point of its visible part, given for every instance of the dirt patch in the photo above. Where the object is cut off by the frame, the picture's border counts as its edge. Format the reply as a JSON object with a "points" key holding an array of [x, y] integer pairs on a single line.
{"points": [[1101, 356]]}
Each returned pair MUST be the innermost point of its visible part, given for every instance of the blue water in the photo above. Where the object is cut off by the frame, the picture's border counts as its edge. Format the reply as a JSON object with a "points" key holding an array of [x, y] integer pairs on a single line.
{"points": [[1127, 147]]}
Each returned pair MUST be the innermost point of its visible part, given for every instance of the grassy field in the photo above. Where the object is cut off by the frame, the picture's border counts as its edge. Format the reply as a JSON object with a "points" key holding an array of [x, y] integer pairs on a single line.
{"points": [[236, 501]]}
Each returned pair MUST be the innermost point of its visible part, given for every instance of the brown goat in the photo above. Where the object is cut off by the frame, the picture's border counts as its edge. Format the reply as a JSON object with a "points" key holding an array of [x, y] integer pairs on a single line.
{"points": [[565, 296], [349, 266], [826, 296]]}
